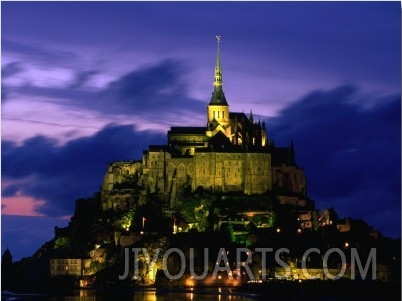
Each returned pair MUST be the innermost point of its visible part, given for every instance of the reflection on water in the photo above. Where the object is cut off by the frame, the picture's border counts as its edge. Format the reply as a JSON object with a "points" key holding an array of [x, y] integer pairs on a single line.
{"points": [[151, 295], [155, 296]]}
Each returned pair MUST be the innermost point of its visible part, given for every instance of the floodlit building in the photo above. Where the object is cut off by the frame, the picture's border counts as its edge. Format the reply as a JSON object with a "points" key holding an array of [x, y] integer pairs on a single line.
{"points": [[66, 266], [230, 153]]}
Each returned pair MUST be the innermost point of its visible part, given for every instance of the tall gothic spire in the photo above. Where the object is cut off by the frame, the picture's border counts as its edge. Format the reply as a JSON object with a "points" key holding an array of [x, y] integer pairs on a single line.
{"points": [[218, 70], [218, 97]]}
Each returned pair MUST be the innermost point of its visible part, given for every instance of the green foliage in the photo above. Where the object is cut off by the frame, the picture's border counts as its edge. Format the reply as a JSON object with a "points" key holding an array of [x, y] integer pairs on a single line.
{"points": [[94, 267], [271, 219], [251, 239], [62, 243], [152, 246], [126, 219], [196, 210], [227, 230]]}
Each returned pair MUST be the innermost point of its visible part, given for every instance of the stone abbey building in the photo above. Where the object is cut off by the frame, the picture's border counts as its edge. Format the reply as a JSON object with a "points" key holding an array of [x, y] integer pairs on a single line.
{"points": [[230, 153]]}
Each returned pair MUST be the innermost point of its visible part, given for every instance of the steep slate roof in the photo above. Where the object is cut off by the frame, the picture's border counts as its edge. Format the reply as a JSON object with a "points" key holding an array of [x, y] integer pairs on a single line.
{"points": [[187, 130], [218, 97]]}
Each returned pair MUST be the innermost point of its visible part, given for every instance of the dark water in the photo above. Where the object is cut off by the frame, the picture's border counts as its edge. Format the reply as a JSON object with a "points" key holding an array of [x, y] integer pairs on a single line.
{"points": [[287, 291], [151, 295]]}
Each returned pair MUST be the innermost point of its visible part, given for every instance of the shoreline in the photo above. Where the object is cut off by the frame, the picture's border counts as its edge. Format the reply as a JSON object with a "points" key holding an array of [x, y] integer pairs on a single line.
{"points": [[338, 289]]}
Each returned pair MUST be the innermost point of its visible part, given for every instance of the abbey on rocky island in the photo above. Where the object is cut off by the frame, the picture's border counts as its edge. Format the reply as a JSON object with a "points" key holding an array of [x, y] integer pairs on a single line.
{"points": [[231, 153]]}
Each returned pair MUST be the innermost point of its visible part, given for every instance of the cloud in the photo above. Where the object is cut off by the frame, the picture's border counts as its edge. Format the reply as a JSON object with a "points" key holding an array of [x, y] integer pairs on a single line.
{"points": [[152, 98], [20, 205], [11, 69], [82, 78], [139, 94], [151, 90], [7, 71], [61, 174], [351, 153], [38, 54]]}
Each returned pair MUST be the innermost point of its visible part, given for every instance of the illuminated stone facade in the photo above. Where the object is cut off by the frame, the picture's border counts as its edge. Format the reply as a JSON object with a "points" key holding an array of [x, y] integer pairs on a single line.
{"points": [[231, 153], [66, 266]]}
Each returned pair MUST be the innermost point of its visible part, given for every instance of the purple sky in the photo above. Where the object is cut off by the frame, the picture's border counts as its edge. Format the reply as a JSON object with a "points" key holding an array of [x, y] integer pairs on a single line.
{"points": [[86, 83]]}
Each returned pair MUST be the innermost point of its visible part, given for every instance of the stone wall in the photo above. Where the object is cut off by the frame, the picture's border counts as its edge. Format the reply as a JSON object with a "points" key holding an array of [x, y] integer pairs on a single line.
{"points": [[289, 178], [247, 172], [162, 173], [119, 172]]}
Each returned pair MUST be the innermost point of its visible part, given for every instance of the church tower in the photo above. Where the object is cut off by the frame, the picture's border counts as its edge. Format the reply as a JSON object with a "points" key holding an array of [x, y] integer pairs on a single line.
{"points": [[218, 108]]}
